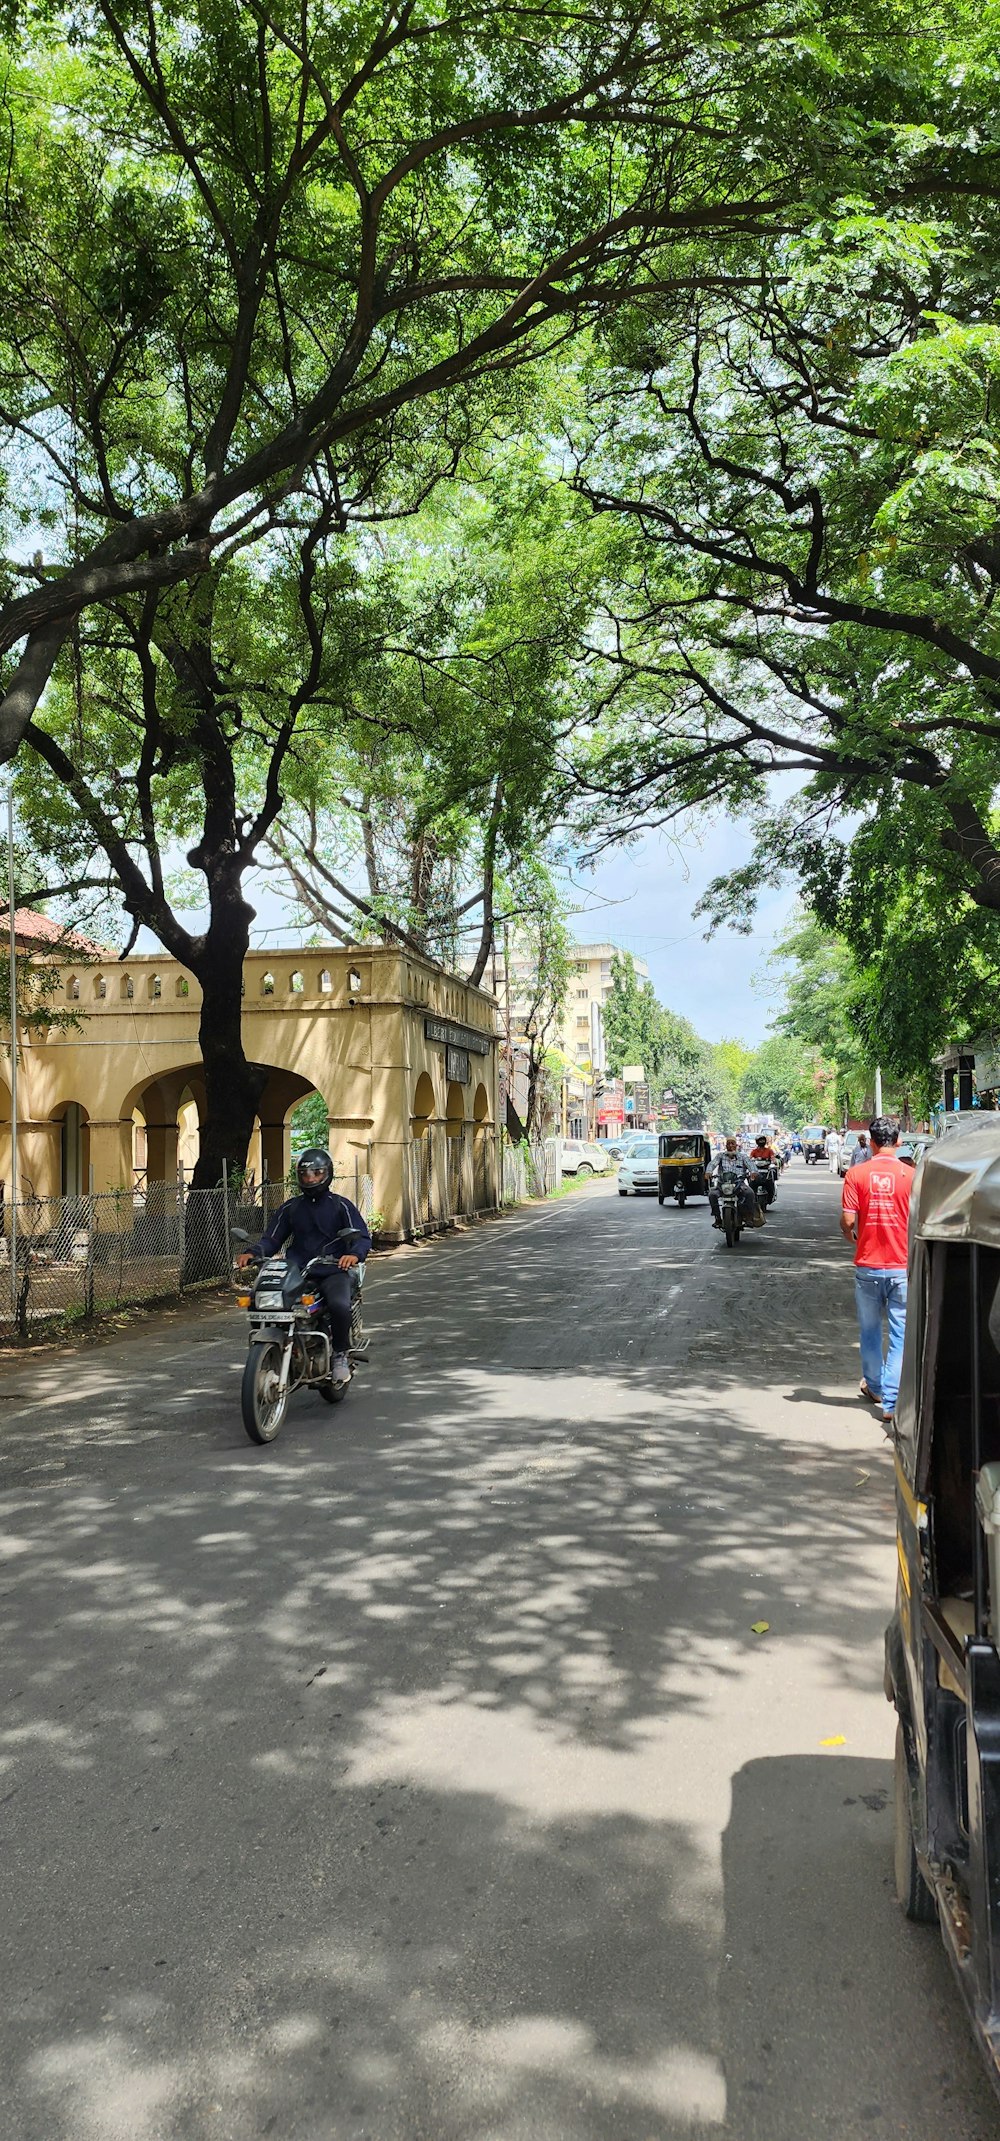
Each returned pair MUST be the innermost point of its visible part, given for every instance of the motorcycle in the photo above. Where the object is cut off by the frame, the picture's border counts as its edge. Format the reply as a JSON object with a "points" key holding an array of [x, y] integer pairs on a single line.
{"points": [[765, 1185], [289, 1345], [729, 1210]]}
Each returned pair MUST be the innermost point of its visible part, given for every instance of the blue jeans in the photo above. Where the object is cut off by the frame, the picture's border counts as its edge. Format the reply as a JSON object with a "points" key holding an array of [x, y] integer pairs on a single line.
{"points": [[873, 1292]]}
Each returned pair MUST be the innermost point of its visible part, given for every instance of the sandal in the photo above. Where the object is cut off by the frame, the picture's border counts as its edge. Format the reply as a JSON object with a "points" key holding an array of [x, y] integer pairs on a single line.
{"points": [[868, 1395]]}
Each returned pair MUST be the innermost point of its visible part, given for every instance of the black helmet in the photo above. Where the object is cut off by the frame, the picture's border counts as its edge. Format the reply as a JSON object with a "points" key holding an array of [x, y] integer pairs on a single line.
{"points": [[314, 1171]]}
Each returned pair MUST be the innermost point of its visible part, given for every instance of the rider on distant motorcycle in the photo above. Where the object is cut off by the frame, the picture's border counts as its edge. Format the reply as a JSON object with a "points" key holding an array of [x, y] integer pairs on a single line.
{"points": [[764, 1161], [307, 1224], [731, 1162]]}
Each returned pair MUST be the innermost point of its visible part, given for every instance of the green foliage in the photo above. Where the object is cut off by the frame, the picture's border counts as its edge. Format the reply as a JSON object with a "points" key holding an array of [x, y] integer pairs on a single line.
{"points": [[638, 1029], [310, 1124]]}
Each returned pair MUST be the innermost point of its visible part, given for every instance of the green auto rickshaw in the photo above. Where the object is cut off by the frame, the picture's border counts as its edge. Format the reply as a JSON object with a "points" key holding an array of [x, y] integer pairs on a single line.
{"points": [[684, 1160]]}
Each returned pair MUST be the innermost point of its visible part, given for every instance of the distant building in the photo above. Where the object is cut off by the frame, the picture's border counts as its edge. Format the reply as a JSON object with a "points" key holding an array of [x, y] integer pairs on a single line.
{"points": [[576, 1034]]}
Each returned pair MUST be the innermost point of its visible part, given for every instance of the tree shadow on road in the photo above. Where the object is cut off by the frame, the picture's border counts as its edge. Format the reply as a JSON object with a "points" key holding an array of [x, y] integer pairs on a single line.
{"points": [[353, 1785]]}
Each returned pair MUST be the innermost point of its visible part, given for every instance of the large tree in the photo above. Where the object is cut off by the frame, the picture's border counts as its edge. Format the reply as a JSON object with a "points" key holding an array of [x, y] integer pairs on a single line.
{"points": [[243, 239], [806, 496]]}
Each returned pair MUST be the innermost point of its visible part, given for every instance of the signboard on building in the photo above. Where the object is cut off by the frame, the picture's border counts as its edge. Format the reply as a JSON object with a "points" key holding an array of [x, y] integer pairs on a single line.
{"points": [[456, 1065], [440, 1029]]}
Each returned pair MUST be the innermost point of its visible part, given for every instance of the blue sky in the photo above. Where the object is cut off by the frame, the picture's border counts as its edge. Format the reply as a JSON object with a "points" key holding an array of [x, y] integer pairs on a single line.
{"points": [[643, 898]]}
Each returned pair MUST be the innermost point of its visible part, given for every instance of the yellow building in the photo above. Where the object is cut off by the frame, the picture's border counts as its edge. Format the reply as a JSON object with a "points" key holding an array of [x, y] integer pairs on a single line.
{"points": [[402, 1054]]}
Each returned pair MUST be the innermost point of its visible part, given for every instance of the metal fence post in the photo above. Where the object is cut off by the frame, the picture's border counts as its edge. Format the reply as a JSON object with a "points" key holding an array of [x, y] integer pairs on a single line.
{"points": [[225, 1215], [181, 1228]]}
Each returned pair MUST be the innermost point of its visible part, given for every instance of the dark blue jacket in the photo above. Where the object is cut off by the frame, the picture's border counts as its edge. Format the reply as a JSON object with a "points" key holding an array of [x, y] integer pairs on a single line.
{"points": [[308, 1223]]}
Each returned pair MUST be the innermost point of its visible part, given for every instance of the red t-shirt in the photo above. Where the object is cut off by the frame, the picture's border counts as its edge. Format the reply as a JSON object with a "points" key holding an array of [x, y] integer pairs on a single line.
{"points": [[879, 1191]]}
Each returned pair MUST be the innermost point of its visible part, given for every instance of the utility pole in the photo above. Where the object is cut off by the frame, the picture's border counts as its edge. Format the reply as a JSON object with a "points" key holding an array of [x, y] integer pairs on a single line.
{"points": [[878, 1092]]}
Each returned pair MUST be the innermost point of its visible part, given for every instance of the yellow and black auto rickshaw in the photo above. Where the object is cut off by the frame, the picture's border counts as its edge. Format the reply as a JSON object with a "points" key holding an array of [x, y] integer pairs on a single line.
{"points": [[684, 1161], [943, 1643]]}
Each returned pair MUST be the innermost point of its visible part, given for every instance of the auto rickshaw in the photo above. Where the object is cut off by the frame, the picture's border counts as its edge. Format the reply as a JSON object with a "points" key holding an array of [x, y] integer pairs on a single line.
{"points": [[684, 1160], [942, 1669]]}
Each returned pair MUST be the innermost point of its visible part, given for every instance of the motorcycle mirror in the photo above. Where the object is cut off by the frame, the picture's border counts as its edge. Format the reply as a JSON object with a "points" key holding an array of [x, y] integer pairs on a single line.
{"points": [[237, 1234]]}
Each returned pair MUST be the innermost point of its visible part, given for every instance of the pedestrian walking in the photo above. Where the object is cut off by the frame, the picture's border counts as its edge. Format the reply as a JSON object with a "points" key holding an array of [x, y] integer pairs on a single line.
{"points": [[875, 1217], [831, 1146], [862, 1150]]}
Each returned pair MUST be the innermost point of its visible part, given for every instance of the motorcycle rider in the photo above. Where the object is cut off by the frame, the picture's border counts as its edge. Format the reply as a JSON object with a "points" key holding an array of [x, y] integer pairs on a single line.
{"points": [[732, 1162], [307, 1224], [764, 1161]]}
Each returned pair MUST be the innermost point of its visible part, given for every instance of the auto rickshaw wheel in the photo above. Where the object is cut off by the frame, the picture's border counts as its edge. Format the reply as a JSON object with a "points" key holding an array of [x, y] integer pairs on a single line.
{"points": [[912, 1891], [681, 1199], [659, 1197]]}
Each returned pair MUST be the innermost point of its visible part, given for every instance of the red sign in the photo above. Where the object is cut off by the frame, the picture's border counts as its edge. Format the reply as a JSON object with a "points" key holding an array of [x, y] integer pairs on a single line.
{"points": [[613, 1113]]}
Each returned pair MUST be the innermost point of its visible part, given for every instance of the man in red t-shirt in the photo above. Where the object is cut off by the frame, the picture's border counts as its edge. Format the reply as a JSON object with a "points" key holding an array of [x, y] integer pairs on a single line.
{"points": [[875, 1217]]}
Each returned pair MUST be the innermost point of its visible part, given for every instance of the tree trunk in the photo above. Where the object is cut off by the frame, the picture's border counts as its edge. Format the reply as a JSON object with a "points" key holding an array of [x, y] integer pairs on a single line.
{"points": [[233, 1085]]}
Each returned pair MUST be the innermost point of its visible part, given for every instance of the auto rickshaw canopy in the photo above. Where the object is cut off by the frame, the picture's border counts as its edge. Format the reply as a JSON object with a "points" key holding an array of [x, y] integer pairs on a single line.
{"points": [[951, 1353], [680, 1146]]}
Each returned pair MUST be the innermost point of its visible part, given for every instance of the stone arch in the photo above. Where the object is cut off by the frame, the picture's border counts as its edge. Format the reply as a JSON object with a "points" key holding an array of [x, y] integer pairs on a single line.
{"points": [[151, 1115], [454, 1109], [455, 1149], [73, 988], [282, 1093], [74, 1148], [296, 982], [423, 1104], [483, 1152]]}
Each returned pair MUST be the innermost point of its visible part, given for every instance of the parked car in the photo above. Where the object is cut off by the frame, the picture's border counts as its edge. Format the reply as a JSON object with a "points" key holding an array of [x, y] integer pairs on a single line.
{"points": [[581, 1158], [912, 1145], [639, 1170], [848, 1145]]}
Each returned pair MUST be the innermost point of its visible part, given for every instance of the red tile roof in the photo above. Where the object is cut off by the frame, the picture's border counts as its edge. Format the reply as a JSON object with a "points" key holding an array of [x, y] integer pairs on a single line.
{"points": [[32, 928]]}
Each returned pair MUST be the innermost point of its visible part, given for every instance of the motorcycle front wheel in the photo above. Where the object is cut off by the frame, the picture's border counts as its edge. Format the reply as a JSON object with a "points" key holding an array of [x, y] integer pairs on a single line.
{"points": [[262, 1402], [731, 1225]]}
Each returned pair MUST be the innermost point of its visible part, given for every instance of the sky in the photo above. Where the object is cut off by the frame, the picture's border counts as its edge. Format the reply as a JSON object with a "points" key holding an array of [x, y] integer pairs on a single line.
{"points": [[643, 899]]}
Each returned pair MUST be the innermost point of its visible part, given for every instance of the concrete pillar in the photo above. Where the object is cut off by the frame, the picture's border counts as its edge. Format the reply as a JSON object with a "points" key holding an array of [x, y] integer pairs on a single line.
{"points": [[275, 1150], [39, 1159], [161, 1152], [111, 1155], [949, 1090]]}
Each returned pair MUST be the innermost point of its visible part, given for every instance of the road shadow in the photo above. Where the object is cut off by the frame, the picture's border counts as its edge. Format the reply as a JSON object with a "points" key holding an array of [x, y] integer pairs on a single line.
{"points": [[838, 2018], [368, 1788]]}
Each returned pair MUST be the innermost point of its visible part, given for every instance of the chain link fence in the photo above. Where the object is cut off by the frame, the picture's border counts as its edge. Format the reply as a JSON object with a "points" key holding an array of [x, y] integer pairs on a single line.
{"points": [[63, 1259], [530, 1171]]}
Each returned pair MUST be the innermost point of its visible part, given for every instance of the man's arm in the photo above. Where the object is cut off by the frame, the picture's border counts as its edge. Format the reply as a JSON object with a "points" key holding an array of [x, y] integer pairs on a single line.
{"points": [[849, 1209], [277, 1232], [361, 1246]]}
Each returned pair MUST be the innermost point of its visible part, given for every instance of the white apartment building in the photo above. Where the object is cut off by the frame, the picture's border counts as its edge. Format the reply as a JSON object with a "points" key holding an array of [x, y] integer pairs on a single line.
{"points": [[589, 985]]}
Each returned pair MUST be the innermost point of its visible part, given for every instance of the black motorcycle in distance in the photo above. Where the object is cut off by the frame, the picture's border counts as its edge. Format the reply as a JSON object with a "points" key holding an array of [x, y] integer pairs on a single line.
{"points": [[290, 1346]]}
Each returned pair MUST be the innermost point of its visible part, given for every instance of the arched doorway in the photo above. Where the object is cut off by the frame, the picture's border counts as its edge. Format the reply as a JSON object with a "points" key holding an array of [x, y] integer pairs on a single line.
{"points": [[455, 1131], [482, 1148], [422, 1152], [74, 1149]]}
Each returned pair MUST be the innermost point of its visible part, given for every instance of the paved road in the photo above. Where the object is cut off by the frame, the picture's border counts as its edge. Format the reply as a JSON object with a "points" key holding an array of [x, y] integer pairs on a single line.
{"points": [[420, 1778]]}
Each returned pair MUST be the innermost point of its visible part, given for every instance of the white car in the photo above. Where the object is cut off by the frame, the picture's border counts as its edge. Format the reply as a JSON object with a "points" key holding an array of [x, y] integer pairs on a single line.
{"points": [[581, 1158], [639, 1172]]}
